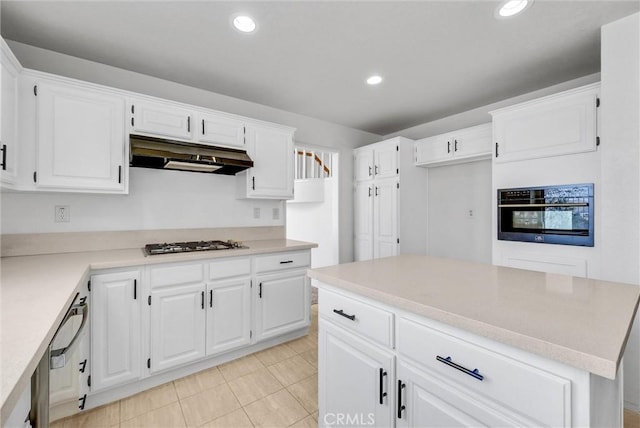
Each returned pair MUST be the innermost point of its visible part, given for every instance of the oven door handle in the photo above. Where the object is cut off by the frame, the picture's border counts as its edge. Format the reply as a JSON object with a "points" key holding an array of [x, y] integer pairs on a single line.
{"points": [[569, 204], [58, 356]]}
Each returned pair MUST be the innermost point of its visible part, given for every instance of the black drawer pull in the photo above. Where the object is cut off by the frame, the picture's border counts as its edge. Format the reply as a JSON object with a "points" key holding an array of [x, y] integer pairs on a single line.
{"points": [[383, 394], [473, 373], [401, 406], [285, 262], [341, 312]]}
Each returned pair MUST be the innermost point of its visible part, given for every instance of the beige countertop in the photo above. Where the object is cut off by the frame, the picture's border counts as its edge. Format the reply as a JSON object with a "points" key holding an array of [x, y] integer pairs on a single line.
{"points": [[35, 292], [581, 322]]}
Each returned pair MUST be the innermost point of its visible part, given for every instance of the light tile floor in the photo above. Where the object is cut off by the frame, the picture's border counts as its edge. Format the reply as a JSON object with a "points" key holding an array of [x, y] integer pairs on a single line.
{"points": [[277, 387]]}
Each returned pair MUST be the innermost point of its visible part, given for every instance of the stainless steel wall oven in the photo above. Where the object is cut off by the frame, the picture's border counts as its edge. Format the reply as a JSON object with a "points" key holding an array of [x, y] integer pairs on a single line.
{"points": [[550, 214]]}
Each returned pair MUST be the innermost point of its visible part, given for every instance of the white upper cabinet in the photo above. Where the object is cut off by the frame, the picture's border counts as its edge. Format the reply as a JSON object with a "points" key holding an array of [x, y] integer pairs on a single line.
{"points": [[161, 119], [559, 124], [271, 149], [459, 146], [220, 130], [80, 138], [9, 115], [379, 160], [363, 164]]}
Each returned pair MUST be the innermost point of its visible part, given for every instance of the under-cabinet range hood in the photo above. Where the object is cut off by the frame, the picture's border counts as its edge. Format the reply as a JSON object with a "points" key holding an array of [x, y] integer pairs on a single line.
{"points": [[158, 153]]}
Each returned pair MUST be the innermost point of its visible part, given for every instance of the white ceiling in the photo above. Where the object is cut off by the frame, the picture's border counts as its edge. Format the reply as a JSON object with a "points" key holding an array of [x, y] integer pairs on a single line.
{"points": [[312, 58]]}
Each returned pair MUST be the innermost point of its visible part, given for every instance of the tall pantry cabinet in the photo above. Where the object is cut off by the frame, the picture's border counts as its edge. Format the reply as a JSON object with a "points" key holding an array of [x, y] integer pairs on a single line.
{"points": [[390, 200]]}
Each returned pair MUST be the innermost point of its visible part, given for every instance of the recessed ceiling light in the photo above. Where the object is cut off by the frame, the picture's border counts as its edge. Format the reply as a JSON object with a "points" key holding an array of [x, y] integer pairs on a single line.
{"points": [[374, 80], [244, 23], [510, 8]]}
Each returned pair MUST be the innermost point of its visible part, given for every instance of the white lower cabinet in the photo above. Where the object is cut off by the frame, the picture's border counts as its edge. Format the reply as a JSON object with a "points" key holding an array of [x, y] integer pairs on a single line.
{"points": [[428, 402], [380, 366], [177, 326], [282, 303], [115, 329], [357, 380], [228, 314]]}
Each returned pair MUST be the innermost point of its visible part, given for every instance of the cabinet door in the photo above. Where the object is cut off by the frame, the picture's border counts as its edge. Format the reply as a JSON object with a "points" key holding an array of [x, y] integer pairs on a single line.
{"points": [[282, 303], [177, 325], [426, 401], [363, 220], [164, 120], [355, 380], [385, 161], [473, 142], [115, 329], [434, 149], [221, 130], [9, 115], [228, 314], [385, 218], [556, 125], [363, 164], [80, 138], [271, 150]]}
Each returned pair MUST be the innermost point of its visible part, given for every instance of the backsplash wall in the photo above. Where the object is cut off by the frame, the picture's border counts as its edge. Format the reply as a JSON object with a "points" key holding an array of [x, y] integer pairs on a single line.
{"points": [[157, 200]]}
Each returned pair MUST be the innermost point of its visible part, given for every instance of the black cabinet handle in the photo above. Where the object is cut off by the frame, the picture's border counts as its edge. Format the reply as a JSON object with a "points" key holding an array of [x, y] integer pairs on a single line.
{"points": [[401, 406], [202, 126], [82, 401], [188, 123], [369, 171], [286, 261], [383, 394], [253, 183], [4, 157], [202, 299], [473, 373], [448, 146], [376, 193], [211, 298], [369, 191], [455, 145], [119, 173], [341, 312], [376, 170], [135, 289], [496, 149], [260, 290], [83, 366]]}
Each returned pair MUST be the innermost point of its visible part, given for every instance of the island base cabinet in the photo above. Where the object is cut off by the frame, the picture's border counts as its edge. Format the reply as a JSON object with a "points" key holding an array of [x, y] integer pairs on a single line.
{"points": [[426, 401], [115, 329], [356, 380]]}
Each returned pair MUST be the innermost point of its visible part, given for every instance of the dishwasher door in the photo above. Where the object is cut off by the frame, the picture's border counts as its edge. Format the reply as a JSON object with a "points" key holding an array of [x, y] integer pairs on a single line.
{"points": [[57, 384]]}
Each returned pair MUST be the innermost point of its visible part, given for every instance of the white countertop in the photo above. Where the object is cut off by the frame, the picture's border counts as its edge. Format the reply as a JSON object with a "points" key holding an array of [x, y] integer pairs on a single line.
{"points": [[581, 322], [35, 292]]}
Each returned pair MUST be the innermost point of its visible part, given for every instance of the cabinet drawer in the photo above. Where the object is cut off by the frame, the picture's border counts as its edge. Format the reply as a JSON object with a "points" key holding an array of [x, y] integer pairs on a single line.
{"points": [[228, 268], [176, 274], [369, 321], [283, 261], [537, 394]]}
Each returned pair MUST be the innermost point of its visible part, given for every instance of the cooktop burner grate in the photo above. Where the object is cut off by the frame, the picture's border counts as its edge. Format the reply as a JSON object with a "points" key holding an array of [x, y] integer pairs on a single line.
{"points": [[186, 247]]}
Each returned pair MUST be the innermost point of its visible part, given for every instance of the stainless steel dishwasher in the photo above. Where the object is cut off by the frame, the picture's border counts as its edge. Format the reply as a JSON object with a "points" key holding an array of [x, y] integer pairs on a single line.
{"points": [[60, 371]]}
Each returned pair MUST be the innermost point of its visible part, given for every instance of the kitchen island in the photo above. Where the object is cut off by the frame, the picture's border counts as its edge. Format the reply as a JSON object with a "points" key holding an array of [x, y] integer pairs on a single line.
{"points": [[422, 341]]}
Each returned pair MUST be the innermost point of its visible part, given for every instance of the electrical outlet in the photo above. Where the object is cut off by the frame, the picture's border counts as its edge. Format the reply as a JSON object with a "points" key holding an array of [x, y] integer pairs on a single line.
{"points": [[62, 214], [256, 212], [276, 214]]}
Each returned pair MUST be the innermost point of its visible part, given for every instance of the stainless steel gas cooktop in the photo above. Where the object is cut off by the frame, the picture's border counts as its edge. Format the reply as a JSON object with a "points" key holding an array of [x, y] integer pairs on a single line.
{"points": [[186, 247]]}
